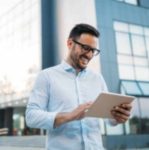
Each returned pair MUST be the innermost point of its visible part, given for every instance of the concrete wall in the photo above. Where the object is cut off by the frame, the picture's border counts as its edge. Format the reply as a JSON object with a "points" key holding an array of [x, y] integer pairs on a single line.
{"points": [[68, 14]]}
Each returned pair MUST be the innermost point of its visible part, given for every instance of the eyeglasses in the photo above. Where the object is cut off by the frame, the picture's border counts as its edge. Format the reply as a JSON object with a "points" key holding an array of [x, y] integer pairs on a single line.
{"points": [[87, 48]]}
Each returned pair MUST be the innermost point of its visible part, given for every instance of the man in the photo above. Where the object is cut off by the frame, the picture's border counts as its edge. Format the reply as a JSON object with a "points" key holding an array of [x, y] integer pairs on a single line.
{"points": [[62, 94]]}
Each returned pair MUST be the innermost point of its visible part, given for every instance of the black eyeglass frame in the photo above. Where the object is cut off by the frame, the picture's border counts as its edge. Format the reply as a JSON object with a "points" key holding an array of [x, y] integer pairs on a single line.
{"points": [[87, 48]]}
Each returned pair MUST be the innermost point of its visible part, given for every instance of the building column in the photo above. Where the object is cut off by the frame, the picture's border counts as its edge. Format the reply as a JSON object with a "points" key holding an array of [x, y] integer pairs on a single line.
{"points": [[2, 118], [49, 26], [8, 120]]}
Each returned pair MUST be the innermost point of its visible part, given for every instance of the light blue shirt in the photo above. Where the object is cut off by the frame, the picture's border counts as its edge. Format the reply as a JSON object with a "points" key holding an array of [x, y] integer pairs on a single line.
{"points": [[59, 89]]}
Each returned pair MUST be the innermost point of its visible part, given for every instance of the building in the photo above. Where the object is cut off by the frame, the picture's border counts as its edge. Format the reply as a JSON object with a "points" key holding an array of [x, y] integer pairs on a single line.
{"points": [[124, 58], [20, 51]]}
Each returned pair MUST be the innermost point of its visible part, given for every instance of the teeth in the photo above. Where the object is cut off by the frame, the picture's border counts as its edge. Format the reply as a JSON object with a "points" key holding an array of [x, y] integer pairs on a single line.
{"points": [[85, 61]]}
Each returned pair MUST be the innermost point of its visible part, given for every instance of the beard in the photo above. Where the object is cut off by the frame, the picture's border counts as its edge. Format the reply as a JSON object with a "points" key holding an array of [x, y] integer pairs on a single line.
{"points": [[78, 61]]}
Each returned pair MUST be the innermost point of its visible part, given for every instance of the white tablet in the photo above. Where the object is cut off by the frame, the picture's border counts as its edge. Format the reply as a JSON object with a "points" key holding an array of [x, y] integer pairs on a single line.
{"points": [[105, 102]]}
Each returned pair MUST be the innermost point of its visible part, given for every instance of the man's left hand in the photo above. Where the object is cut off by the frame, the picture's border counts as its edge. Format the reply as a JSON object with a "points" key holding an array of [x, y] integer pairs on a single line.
{"points": [[121, 113]]}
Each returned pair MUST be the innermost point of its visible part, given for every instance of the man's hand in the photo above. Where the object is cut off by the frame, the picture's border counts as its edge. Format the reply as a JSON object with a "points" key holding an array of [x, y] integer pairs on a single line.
{"points": [[76, 114], [121, 113]]}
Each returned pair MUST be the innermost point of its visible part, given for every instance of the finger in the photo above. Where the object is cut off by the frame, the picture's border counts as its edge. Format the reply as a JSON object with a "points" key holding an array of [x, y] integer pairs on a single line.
{"points": [[119, 115], [122, 110], [127, 106]]}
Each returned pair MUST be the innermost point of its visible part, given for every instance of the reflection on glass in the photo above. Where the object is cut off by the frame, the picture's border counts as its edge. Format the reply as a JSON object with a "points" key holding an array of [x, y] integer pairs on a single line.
{"points": [[145, 87], [142, 73], [136, 29], [102, 126], [147, 43], [123, 43], [134, 122], [116, 130], [119, 26], [134, 2], [139, 121], [132, 43], [140, 61], [123, 72], [144, 103], [131, 88], [124, 59], [146, 31], [138, 45]]}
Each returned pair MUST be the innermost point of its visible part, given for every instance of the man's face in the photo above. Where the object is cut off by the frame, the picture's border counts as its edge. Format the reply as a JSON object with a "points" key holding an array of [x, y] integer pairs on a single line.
{"points": [[78, 56]]}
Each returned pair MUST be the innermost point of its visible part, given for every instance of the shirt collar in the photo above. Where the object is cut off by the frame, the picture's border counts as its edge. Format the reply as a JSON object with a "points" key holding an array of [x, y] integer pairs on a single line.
{"points": [[68, 67]]}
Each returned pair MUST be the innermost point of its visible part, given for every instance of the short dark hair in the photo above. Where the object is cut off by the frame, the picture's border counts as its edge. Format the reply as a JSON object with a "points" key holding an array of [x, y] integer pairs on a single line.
{"points": [[79, 29]]}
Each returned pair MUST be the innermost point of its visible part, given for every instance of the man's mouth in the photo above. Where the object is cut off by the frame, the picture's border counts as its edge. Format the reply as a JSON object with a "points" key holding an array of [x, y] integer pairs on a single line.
{"points": [[84, 60]]}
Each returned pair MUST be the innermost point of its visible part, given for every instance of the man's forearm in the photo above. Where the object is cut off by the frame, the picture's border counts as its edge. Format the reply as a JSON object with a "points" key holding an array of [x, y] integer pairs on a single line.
{"points": [[76, 114]]}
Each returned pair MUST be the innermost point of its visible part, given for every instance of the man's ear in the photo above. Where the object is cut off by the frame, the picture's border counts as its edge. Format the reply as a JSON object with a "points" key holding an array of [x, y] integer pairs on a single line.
{"points": [[69, 43]]}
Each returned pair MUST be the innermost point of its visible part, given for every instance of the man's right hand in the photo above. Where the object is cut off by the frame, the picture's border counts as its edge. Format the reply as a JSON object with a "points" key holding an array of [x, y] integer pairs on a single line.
{"points": [[76, 114]]}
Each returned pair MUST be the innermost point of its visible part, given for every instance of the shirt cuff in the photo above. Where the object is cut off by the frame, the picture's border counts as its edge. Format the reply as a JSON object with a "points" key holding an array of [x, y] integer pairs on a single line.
{"points": [[51, 120]]}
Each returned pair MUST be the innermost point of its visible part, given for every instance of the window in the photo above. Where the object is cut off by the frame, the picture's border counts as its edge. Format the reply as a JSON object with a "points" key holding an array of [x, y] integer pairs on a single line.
{"points": [[123, 43], [139, 122], [137, 88], [134, 2], [132, 43], [138, 45], [145, 87]]}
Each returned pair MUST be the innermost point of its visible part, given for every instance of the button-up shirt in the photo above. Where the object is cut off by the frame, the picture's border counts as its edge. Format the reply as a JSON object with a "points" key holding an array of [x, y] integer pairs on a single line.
{"points": [[59, 89]]}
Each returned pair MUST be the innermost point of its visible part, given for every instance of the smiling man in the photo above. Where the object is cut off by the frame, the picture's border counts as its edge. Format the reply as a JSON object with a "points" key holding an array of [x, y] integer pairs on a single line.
{"points": [[81, 49], [62, 94]]}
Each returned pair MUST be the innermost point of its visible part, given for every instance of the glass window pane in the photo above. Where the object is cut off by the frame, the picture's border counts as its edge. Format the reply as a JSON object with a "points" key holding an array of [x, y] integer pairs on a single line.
{"points": [[123, 43], [131, 88], [142, 73], [146, 31], [144, 103], [138, 61], [119, 26], [123, 72], [122, 59], [134, 122], [147, 44], [138, 45], [114, 130], [134, 2], [145, 87], [136, 29], [102, 126]]}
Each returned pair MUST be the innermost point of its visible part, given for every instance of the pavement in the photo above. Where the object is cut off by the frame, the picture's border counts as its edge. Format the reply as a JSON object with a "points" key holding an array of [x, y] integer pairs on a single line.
{"points": [[22, 142], [37, 148], [30, 143], [19, 148]]}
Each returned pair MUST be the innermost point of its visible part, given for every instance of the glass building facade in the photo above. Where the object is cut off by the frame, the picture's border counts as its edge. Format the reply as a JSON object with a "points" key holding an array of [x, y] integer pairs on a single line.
{"points": [[125, 65]]}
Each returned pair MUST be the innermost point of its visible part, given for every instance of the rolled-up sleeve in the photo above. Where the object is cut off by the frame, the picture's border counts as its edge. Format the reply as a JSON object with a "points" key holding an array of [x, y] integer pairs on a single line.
{"points": [[37, 114]]}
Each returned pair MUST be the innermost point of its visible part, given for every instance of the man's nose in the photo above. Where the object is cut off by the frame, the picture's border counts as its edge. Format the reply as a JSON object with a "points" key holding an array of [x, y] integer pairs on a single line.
{"points": [[89, 54]]}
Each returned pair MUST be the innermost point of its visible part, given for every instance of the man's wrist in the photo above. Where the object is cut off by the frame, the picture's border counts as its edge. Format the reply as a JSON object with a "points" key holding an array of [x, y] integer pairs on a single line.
{"points": [[61, 118]]}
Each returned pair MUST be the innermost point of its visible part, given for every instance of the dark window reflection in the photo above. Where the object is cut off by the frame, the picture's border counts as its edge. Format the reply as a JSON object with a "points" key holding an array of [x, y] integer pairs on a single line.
{"points": [[139, 123]]}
